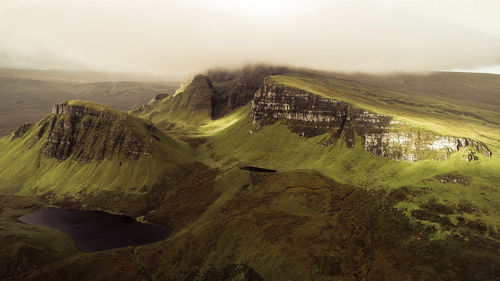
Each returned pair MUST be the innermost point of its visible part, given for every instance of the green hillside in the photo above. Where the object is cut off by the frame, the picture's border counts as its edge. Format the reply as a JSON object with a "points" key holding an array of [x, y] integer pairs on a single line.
{"points": [[477, 88], [92, 162], [332, 211], [227, 142], [443, 114], [277, 148], [189, 106]]}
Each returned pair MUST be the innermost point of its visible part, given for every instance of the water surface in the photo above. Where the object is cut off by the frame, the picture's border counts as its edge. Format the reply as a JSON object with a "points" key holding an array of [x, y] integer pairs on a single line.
{"points": [[257, 169], [96, 230]]}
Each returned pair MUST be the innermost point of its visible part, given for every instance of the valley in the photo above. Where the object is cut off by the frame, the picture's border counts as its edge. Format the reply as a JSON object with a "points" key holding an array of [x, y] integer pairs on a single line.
{"points": [[27, 94], [266, 173]]}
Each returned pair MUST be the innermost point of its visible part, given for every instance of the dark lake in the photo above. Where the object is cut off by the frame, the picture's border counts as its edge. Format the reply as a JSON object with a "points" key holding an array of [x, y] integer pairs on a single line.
{"points": [[257, 169], [96, 230]]}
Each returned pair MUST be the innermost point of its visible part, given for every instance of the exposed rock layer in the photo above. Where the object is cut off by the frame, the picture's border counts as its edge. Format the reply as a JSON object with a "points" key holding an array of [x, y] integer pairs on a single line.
{"points": [[86, 133], [233, 89], [160, 96], [82, 111], [310, 115], [22, 130]]}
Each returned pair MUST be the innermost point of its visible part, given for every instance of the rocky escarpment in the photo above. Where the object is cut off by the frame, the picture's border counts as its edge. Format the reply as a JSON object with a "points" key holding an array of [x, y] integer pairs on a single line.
{"points": [[161, 96], [233, 89], [85, 133], [23, 129], [207, 97], [309, 115], [193, 104], [83, 111], [198, 95], [415, 145]]}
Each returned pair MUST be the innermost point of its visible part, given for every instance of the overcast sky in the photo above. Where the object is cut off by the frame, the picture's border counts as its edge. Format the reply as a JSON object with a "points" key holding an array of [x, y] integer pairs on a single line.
{"points": [[182, 37]]}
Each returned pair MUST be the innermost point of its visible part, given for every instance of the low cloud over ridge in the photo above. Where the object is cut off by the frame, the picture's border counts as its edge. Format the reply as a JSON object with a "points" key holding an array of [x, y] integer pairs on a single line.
{"points": [[187, 36]]}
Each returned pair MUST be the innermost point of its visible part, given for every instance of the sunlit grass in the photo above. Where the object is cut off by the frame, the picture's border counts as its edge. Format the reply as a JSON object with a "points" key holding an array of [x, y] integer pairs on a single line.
{"points": [[438, 115]]}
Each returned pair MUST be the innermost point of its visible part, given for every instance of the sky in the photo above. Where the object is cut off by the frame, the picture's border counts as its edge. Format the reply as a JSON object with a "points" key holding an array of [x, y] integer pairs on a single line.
{"points": [[180, 37]]}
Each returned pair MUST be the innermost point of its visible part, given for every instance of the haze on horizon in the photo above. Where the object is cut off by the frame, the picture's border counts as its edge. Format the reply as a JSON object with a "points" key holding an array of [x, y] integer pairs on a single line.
{"points": [[177, 37]]}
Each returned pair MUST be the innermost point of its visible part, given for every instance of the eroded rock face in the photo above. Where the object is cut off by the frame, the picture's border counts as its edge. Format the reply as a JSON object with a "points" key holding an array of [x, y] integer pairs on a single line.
{"points": [[22, 130], [200, 94], [160, 97], [233, 89], [310, 115], [82, 111], [417, 145], [87, 134]]}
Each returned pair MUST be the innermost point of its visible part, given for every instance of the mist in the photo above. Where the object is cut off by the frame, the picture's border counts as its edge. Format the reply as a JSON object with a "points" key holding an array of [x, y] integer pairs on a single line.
{"points": [[181, 37]]}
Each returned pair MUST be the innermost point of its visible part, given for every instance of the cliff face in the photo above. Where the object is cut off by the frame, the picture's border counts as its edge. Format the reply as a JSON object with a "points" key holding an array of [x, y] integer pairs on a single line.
{"points": [[22, 130], [207, 97], [310, 115], [86, 133], [199, 94], [83, 111], [233, 89]]}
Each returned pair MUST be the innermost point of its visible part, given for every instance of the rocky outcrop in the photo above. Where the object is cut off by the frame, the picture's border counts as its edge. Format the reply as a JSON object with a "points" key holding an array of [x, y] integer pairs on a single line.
{"points": [[22, 130], [310, 115], [198, 95], [159, 97], [85, 133], [207, 97], [416, 145], [453, 178], [82, 111], [233, 89]]}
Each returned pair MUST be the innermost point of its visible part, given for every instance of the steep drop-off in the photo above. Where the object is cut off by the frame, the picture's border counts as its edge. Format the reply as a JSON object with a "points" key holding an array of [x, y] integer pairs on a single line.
{"points": [[310, 115], [233, 89], [332, 209], [78, 130], [207, 97], [84, 149], [190, 105]]}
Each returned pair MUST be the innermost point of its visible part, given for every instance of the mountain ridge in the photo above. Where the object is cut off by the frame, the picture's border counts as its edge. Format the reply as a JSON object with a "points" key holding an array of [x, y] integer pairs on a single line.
{"points": [[331, 210]]}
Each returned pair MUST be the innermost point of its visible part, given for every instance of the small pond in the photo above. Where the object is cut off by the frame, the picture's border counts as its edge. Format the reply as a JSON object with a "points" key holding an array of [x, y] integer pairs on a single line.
{"points": [[96, 230], [257, 169]]}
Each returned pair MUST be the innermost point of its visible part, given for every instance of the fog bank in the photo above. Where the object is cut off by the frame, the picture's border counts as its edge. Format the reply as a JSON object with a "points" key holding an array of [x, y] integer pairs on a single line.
{"points": [[179, 37]]}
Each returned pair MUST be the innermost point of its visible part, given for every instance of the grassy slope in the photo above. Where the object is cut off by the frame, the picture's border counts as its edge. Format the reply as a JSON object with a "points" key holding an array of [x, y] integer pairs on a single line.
{"points": [[445, 116], [475, 88], [26, 172], [294, 225], [229, 143], [30, 245], [176, 112], [289, 225]]}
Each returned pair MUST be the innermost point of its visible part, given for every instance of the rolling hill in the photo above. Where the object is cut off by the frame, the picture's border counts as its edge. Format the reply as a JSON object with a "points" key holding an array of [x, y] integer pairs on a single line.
{"points": [[27, 95], [375, 179]]}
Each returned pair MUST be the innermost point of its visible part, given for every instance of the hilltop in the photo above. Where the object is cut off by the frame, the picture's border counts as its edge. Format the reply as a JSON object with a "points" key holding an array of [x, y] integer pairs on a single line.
{"points": [[90, 153], [361, 181]]}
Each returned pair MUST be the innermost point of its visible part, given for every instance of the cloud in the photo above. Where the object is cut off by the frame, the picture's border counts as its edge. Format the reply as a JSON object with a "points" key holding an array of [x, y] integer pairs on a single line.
{"points": [[180, 37]]}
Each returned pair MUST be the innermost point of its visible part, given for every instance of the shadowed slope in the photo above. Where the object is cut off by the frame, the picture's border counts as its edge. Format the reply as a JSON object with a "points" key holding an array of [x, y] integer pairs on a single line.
{"points": [[294, 225], [85, 150]]}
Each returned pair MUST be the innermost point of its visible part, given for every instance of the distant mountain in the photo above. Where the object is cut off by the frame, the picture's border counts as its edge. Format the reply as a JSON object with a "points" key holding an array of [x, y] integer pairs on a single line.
{"points": [[267, 173], [79, 76], [27, 100]]}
